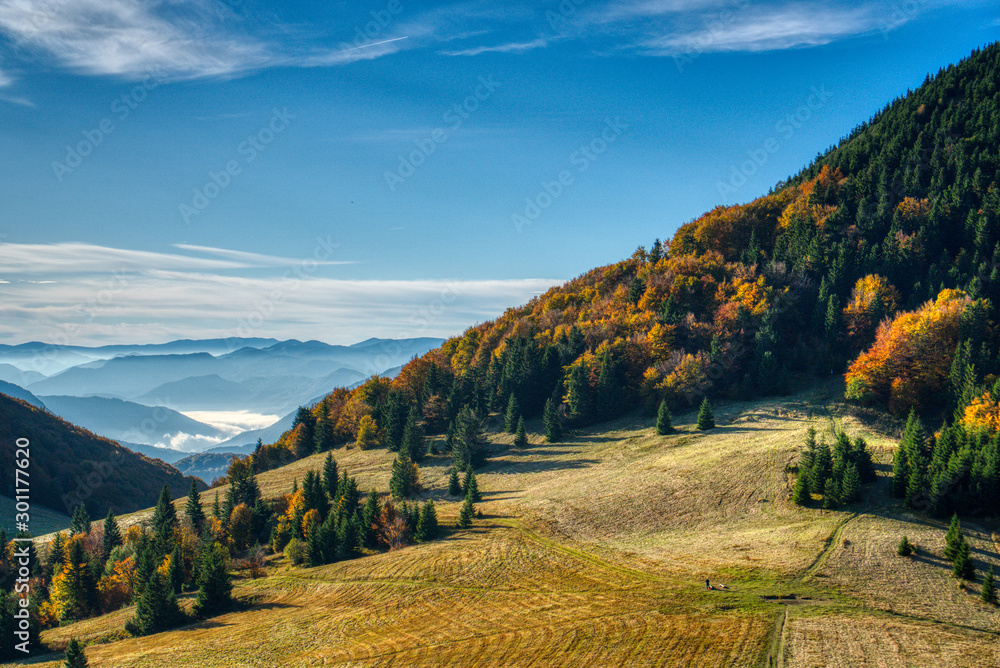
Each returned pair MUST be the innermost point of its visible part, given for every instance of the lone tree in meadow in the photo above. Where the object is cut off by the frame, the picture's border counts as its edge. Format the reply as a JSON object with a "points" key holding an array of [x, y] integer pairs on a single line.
{"points": [[520, 436], [664, 420], [467, 512], [988, 594], [706, 419], [905, 548], [75, 657]]}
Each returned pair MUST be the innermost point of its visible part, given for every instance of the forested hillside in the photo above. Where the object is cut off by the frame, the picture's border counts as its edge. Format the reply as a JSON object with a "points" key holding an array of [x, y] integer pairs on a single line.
{"points": [[70, 466], [879, 258]]}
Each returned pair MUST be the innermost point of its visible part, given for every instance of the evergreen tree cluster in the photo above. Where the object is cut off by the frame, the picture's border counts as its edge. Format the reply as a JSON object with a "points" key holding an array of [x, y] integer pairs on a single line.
{"points": [[958, 470], [836, 473]]}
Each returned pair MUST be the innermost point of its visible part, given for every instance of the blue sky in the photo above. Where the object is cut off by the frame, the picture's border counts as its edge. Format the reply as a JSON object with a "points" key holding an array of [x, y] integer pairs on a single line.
{"points": [[343, 170]]}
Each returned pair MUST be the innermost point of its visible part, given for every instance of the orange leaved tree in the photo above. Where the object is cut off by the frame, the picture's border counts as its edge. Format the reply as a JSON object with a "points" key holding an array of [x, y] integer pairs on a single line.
{"points": [[909, 361]]}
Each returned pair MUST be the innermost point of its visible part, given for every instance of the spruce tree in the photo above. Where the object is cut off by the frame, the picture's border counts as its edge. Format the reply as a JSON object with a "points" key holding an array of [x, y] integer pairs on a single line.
{"points": [[413, 445], [75, 657], [466, 514], [157, 609], [164, 522], [553, 428], [988, 593], [962, 566], [215, 586], [217, 508], [900, 473], [81, 520], [706, 419], [175, 573], [193, 510], [512, 414], [427, 524], [952, 538], [850, 489], [664, 420], [330, 476], [112, 536], [57, 555], [802, 493], [454, 486], [520, 436], [401, 482], [470, 484], [369, 516], [831, 495], [81, 587], [905, 548]]}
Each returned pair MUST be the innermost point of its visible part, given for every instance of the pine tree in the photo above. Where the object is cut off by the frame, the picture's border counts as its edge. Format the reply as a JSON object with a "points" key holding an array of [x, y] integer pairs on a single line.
{"points": [[664, 420], [427, 524], [81, 520], [413, 444], [905, 548], [164, 522], [402, 482], [553, 428], [75, 586], [470, 484], [512, 414], [831, 496], [193, 510], [330, 476], [175, 573], [112, 535], [988, 593], [215, 586], [520, 436], [369, 516], [579, 395], [802, 493], [706, 419], [850, 489], [217, 508], [962, 566], [57, 555], [466, 514], [75, 657], [900, 473], [454, 486], [952, 538], [157, 609]]}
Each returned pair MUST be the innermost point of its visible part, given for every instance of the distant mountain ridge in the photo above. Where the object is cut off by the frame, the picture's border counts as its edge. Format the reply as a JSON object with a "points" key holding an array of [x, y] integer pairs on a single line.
{"points": [[269, 380]]}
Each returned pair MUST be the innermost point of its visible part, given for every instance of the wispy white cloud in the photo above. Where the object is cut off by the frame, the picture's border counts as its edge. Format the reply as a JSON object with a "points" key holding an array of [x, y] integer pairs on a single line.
{"points": [[511, 47], [129, 296], [181, 39], [767, 29], [253, 259]]}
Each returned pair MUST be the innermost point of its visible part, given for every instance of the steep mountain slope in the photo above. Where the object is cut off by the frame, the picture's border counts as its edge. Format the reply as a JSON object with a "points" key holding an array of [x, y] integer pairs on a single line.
{"points": [[18, 392], [69, 465]]}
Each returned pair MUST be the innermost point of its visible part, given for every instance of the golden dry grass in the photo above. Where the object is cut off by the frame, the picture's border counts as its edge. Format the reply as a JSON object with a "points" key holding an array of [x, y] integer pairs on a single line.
{"points": [[594, 552]]}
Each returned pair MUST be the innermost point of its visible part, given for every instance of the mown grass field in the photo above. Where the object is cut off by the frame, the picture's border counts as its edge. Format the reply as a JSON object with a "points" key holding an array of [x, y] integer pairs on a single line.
{"points": [[595, 551]]}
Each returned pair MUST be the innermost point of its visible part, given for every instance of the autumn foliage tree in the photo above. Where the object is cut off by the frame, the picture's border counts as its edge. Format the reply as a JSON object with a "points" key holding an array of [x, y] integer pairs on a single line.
{"points": [[909, 362]]}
